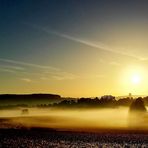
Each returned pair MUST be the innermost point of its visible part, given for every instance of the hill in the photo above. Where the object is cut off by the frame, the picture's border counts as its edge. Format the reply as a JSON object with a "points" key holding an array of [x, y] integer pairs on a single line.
{"points": [[28, 99]]}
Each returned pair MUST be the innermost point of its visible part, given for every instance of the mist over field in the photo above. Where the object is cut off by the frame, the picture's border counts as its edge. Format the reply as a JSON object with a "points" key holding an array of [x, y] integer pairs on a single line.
{"points": [[74, 119]]}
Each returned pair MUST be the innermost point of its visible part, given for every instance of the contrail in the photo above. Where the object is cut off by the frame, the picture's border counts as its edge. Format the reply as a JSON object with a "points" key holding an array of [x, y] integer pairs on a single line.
{"points": [[93, 45], [99, 46]]}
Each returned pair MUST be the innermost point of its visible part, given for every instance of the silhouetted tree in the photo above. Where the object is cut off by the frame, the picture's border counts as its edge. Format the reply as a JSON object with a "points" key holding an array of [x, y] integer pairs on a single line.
{"points": [[124, 102], [145, 99], [108, 100], [138, 105]]}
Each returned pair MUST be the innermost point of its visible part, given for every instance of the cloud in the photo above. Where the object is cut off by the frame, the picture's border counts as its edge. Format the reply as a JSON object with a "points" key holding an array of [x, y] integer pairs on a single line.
{"points": [[65, 76], [59, 76], [114, 63], [99, 45], [12, 67], [93, 76], [26, 80], [44, 78], [45, 73], [28, 64], [7, 70]]}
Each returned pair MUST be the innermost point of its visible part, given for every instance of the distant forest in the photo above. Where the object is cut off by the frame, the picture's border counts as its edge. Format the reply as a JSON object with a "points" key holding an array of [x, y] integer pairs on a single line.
{"points": [[56, 101]]}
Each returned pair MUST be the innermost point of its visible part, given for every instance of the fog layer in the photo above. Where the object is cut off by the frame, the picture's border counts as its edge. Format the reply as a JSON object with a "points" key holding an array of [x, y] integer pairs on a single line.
{"points": [[74, 119]]}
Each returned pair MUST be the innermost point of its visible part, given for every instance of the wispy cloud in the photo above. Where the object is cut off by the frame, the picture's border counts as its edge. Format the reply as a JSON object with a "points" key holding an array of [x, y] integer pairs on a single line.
{"points": [[28, 64], [93, 76], [62, 75], [114, 63], [65, 76], [45, 73], [99, 45], [7, 70], [26, 80], [12, 67], [42, 72]]}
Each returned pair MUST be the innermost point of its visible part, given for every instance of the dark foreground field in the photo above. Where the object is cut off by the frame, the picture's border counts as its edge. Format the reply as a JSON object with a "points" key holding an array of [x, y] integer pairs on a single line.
{"points": [[37, 138]]}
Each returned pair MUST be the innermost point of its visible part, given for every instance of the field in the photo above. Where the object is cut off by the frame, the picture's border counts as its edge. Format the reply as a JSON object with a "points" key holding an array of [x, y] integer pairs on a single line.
{"points": [[71, 128], [59, 139]]}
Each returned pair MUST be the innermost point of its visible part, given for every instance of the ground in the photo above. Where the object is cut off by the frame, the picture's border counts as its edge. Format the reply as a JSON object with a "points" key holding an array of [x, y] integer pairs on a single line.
{"points": [[43, 138]]}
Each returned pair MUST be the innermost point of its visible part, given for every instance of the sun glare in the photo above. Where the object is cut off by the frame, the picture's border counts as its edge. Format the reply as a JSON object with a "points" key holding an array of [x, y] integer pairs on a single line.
{"points": [[136, 79], [133, 79]]}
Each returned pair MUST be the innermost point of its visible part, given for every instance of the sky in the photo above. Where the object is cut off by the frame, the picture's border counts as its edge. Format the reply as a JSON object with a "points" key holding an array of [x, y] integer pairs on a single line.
{"points": [[75, 48]]}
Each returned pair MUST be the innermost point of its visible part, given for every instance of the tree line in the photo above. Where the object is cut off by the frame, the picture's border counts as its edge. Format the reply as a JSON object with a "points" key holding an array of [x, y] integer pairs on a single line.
{"points": [[41, 100]]}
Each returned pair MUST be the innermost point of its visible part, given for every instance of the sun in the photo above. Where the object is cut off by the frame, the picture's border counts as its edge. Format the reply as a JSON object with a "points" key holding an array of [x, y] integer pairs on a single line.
{"points": [[133, 79], [136, 79]]}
